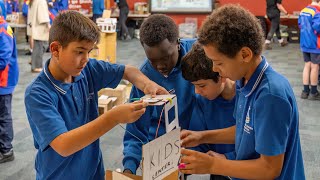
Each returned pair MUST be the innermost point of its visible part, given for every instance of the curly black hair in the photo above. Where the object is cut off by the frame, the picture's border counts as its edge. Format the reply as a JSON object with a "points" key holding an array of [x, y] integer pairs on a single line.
{"points": [[230, 28], [195, 65], [72, 26], [157, 28]]}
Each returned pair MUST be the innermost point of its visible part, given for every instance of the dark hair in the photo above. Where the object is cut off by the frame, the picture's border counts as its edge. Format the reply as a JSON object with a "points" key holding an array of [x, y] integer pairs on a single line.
{"points": [[157, 28], [70, 26], [195, 65], [230, 28]]}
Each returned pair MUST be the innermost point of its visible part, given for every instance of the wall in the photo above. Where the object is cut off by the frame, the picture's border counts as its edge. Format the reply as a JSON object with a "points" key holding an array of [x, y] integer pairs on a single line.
{"points": [[258, 7]]}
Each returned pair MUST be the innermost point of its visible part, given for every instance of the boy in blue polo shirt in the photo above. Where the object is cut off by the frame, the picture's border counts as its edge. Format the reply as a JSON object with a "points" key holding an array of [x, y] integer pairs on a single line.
{"points": [[62, 102], [214, 103], [164, 50], [267, 142]]}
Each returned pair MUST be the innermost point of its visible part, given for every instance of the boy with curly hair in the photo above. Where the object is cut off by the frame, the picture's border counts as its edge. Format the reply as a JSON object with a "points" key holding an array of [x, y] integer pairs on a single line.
{"points": [[267, 141]]}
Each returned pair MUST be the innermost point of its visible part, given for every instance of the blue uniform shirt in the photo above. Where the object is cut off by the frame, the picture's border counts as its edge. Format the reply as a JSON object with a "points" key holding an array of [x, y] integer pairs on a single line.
{"points": [[210, 115], [145, 127], [267, 121], [54, 107], [97, 6]]}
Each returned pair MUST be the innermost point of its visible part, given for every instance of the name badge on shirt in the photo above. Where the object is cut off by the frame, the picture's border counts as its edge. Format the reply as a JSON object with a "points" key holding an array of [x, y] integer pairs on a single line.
{"points": [[247, 128]]}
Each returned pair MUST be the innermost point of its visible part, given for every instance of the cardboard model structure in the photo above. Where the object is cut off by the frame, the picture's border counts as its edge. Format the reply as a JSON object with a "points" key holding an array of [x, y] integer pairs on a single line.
{"points": [[160, 157]]}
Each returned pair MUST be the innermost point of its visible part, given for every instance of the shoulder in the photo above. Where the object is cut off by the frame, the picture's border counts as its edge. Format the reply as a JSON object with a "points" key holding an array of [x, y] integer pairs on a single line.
{"points": [[274, 84], [40, 88]]}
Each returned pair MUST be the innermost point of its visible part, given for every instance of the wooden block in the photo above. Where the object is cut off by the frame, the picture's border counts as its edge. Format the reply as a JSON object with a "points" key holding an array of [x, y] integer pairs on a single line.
{"points": [[106, 49], [119, 92]]}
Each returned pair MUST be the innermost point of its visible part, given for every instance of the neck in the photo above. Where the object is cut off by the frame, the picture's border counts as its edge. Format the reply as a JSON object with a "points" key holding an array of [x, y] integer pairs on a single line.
{"points": [[254, 63], [229, 90], [57, 72]]}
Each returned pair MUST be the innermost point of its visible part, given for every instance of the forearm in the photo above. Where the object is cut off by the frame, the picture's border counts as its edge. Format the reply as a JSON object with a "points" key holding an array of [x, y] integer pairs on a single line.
{"points": [[136, 77], [245, 169], [77, 139], [282, 9], [219, 136]]}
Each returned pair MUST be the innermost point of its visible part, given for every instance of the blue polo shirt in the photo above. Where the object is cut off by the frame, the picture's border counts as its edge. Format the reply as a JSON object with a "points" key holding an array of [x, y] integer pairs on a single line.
{"points": [[267, 121], [210, 115], [145, 128], [54, 107]]}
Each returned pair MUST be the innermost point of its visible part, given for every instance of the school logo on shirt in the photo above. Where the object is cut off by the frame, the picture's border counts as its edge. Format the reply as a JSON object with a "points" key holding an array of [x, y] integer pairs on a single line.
{"points": [[247, 128]]}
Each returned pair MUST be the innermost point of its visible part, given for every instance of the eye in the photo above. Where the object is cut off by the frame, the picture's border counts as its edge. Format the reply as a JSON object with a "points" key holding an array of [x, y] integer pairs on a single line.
{"points": [[202, 86]]}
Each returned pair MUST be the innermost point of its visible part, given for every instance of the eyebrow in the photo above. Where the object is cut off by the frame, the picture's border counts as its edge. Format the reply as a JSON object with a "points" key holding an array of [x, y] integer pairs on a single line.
{"points": [[82, 48]]}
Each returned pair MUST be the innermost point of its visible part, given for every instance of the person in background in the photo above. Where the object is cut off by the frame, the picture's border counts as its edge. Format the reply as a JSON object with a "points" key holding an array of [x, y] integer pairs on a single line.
{"points": [[214, 101], [266, 134], [39, 21], [159, 37], [53, 12], [25, 8], [123, 15], [309, 23], [97, 9], [3, 9], [12, 6], [274, 7], [9, 74], [63, 5]]}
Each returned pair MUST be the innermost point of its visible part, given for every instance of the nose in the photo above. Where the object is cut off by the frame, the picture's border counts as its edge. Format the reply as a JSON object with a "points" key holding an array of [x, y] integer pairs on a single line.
{"points": [[85, 58], [215, 69], [197, 90]]}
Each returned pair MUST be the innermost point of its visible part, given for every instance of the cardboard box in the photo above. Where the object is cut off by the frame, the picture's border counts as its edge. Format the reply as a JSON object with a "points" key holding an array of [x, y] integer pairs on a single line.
{"points": [[123, 176], [106, 49], [119, 92]]}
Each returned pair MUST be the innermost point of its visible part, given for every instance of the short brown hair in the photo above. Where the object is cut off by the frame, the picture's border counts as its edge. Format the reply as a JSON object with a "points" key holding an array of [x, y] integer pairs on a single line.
{"points": [[230, 28], [70, 26], [195, 65]]}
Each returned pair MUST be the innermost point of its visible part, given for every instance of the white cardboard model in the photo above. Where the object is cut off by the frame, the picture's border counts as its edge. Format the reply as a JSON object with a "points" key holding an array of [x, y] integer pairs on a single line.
{"points": [[169, 101], [161, 156]]}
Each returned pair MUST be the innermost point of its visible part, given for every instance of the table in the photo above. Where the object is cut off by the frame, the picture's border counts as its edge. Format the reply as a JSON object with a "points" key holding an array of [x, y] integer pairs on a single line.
{"points": [[131, 15]]}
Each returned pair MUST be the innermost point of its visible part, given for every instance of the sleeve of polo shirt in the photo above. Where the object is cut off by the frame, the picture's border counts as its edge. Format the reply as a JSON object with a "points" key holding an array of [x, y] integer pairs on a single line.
{"points": [[45, 120], [43, 13], [272, 118], [105, 74]]}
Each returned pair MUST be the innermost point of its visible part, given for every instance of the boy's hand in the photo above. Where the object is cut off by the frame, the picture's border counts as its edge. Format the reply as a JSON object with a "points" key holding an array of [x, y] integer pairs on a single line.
{"points": [[154, 89], [196, 162], [215, 154], [129, 113], [190, 138]]}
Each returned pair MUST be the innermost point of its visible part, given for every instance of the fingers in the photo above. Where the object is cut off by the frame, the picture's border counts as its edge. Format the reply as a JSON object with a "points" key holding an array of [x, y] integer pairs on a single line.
{"points": [[186, 152], [139, 105], [210, 153], [184, 134]]}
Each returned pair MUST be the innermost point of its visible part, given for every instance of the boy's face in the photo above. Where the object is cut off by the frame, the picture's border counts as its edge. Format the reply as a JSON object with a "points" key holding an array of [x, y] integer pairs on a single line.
{"points": [[74, 57], [232, 68], [208, 88], [163, 56]]}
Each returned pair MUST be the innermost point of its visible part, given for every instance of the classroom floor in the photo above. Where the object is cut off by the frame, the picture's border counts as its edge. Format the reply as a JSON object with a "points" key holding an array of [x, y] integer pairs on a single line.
{"points": [[287, 60]]}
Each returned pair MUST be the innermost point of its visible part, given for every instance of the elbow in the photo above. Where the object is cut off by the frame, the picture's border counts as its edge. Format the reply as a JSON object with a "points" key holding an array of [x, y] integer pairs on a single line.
{"points": [[62, 151], [273, 173]]}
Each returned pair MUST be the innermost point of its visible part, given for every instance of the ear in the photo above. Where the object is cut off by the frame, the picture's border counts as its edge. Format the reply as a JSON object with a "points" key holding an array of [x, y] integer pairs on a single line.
{"points": [[54, 48], [246, 54]]}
